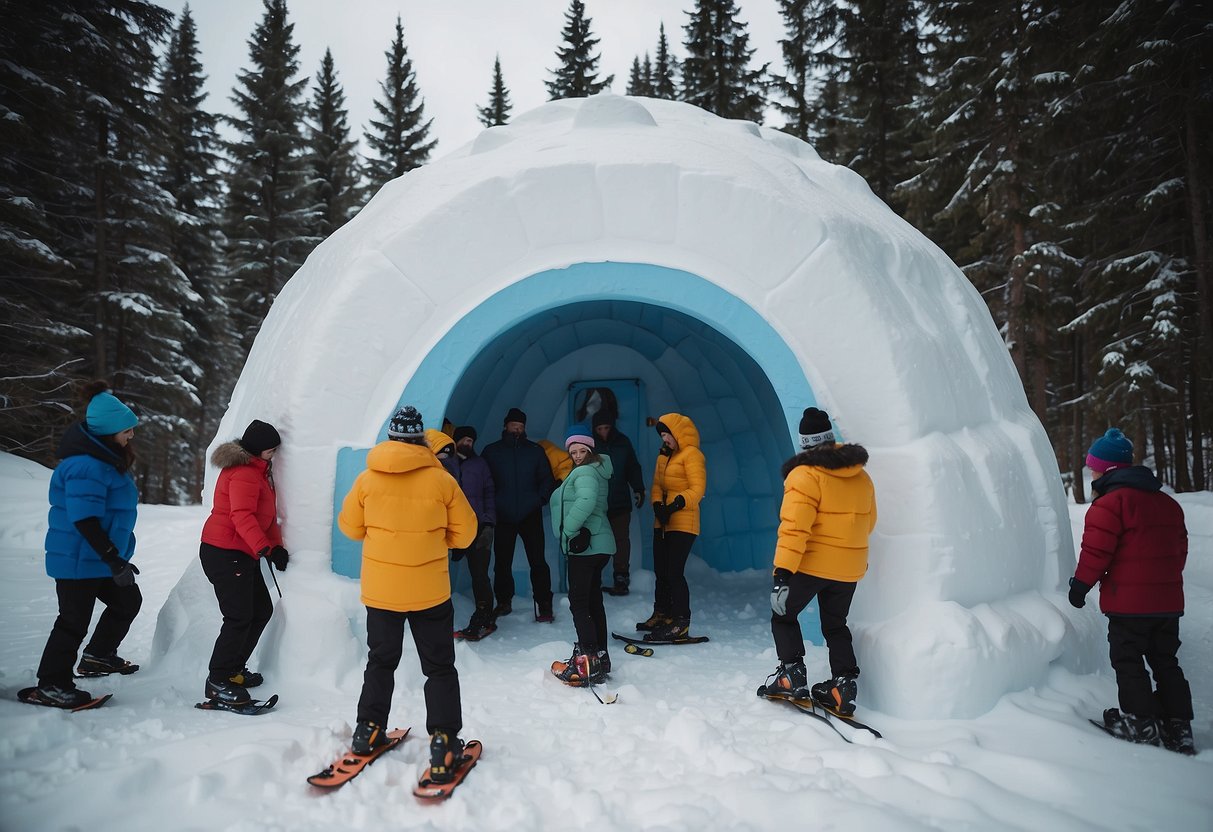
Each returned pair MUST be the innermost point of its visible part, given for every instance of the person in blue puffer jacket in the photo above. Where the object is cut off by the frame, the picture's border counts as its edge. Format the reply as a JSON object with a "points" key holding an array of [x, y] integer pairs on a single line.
{"points": [[89, 544], [579, 521]]}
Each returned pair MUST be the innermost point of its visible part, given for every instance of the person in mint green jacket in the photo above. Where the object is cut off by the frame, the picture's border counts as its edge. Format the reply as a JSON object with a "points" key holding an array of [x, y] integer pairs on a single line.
{"points": [[579, 521]]}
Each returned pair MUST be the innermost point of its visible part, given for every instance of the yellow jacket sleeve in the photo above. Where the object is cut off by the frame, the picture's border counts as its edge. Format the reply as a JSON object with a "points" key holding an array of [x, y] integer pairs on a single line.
{"points": [[797, 513], [352, 519]]}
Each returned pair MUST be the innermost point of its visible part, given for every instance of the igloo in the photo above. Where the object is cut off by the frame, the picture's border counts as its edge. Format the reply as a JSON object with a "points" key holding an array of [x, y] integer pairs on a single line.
{"points": [[720, 269]]}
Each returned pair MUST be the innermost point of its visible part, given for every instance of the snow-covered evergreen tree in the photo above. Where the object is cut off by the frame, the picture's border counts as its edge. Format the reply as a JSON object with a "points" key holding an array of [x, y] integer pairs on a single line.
{"points": [[269, 214], [43, 339], [811, 60], [189, 172], [400, 138], [576, 74], [664, 78], [716, 73], [332, 156], [497, 111]]}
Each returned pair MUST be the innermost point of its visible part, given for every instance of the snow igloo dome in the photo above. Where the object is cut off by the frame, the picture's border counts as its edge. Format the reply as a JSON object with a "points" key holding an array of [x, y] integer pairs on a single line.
{"points": [[649, 252]]}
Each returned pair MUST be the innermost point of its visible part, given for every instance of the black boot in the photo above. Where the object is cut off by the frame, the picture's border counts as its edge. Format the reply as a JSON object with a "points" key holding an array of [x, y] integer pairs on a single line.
{"points": [[367, 737], [227, 691], [621, 585], [1177, 736], [837, 694], [1139, 729], [446, 752], [789, 679], [654, 620], [672, 629]]}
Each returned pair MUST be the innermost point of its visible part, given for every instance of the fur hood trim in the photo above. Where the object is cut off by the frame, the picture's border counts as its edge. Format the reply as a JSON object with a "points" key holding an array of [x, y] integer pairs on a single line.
{"points": [[229, 455], [830, 457]]}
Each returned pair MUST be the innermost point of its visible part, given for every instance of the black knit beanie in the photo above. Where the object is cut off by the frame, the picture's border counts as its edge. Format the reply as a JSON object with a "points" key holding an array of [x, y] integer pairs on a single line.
{"points": [[405, 424], [515, 415], [465, 430], [259, 436], [815, 428]]}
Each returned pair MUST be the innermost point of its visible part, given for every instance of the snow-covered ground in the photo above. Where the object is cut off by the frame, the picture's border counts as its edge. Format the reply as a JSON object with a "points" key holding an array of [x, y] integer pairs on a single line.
{"points": [[688, 746]]}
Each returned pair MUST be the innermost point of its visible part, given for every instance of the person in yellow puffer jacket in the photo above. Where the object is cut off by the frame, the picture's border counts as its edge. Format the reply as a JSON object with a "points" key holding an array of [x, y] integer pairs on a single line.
{"points": [[558, 460], [408, 511], [680, 481], [828, 512]]}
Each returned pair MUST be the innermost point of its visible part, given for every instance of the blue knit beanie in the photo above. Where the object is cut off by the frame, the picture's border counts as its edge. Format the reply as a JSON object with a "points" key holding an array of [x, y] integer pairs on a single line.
{"points": [[106, 415], [1110, 451]]}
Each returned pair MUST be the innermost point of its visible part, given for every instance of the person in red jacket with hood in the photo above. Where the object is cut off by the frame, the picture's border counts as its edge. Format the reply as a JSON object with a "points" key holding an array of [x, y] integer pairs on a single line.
{"points": [[1134, 545], [241, 530]]}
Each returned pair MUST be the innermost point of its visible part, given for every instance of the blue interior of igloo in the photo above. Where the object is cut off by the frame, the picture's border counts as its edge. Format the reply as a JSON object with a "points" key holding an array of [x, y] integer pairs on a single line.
{"points": [[667, 340]]}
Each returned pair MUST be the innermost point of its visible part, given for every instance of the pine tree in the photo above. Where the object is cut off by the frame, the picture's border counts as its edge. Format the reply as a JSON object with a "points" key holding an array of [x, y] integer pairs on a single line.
{"points": [[577, 73], [1129, 158], [268, 207], [881, 86], [400, 140], [332, 157], [497, 111], [189, 172], [43, 335], [716, 74], [664, 79], [810, 85], [640, 81]]}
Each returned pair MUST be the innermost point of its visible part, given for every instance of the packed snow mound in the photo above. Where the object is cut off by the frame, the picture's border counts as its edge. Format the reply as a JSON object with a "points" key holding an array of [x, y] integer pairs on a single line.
{"points": [[972, 544]]}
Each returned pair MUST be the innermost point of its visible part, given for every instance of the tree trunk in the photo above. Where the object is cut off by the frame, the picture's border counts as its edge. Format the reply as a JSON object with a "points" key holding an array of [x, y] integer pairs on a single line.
{"points": [[1077, 455], [1182, 483], [1195, 151]]}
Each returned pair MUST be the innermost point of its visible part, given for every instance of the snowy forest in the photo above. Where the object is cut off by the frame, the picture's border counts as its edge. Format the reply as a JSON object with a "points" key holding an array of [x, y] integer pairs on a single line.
{"points": [[1058, 152]]}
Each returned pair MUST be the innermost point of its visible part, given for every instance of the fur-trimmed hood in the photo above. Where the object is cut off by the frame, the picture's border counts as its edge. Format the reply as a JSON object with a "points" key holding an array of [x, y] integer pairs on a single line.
{"points": [[831, 457], [229, 455]]}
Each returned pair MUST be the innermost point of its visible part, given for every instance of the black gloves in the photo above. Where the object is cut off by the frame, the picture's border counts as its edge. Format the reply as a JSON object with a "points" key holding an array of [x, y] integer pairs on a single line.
{"points": [[779, 591], [124, 571], [639, 499], [662, 511], [484, 538], [277, 555], [1078, 593], [579, 542]]}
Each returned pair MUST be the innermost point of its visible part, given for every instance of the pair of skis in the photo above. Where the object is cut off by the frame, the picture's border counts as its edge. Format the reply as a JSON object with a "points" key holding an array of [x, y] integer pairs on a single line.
{"points": [[349, 765], [822, 713]]}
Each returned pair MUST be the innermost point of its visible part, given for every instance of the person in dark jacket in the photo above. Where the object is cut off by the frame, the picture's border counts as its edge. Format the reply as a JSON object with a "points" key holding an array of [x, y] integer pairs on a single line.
{"points": [[626, 475], [523, 481], [89, 544], [242, 530], [1135, 545], [474, 477]]}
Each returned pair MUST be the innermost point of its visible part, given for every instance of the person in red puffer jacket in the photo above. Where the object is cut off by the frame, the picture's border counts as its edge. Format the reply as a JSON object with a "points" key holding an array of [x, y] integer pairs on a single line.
{"points": [[241, 530], [1134, 545]]}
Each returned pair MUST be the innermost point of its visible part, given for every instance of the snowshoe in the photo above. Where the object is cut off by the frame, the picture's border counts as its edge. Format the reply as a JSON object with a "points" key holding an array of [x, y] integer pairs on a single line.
{"points": [[91, 666], [68, 698], [349, 765], [429, 790], [446, 752]]}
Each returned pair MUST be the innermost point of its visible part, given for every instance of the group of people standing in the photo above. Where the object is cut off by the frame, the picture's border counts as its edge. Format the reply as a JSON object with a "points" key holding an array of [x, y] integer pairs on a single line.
{"points": [[427, 498]]}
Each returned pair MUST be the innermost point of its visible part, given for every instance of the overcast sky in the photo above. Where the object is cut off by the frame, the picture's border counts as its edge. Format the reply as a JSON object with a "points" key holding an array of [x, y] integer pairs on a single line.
{"points": [[452, 44]]}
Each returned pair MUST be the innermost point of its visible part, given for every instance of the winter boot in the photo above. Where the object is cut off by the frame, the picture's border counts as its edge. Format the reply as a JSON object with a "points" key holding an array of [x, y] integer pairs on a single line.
{"points": [[446, 752], [653, 621], [1177, 736], [91, 665], [622, 580], [480, 625], [1138, 729], [672, 629], [61, 697], [837, 694], [227, 691], [543, 612], [503, 609], [248, 678], [604, 661], [789, 679], [580, 669], [367, 737]]}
